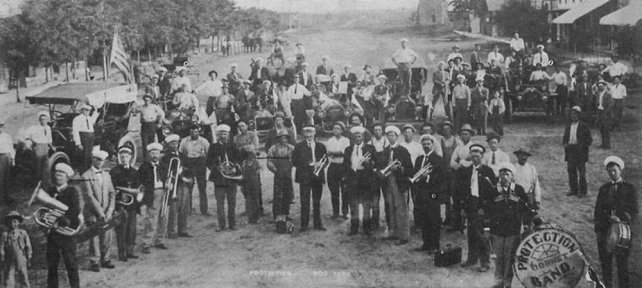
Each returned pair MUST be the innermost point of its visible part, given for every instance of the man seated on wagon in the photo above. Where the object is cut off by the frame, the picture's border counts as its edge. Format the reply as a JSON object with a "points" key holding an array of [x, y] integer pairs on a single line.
{"points": [[184, 100], [539, 76], [494, 68], [369, 75]]}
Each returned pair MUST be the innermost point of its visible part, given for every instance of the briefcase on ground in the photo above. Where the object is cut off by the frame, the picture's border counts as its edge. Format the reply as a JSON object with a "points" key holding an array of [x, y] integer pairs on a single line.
{"points": [[449, 256]]}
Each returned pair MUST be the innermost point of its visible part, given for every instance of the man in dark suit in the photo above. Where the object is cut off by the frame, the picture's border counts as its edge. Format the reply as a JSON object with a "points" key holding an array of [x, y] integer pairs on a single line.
{"points": [[616, 202], [259, 74], [305, 157], [224, 189], [305, 78], [324, 69], [164, 82], [583, 96], [361, 178], [351, 78], [577, 140], [475, 58], [398, 185], [152, 175], [126, 176], [473, 184], [427, 194], [604, 119]]}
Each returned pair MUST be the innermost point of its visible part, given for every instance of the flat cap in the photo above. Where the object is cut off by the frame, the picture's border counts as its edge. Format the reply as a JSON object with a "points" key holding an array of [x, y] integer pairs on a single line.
{"points": [[223, 128], [393, 129], [172, 137]]}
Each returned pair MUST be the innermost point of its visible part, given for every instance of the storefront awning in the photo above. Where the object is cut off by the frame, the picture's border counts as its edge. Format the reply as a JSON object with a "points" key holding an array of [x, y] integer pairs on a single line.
{"points": [[578, 11], [626, 16]]}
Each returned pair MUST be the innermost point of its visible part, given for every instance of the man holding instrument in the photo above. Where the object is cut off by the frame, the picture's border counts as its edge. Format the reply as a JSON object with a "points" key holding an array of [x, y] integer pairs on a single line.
{"points": [[358, 171], [617, 201], [308, 157], [152, 176], [221, 154], [336, 147], [126, 176]]}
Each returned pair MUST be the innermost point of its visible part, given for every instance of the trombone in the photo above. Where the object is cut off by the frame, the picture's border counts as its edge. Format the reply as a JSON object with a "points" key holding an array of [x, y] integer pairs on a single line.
{"points": [[171, 184], [320, 165], [424, 171]]}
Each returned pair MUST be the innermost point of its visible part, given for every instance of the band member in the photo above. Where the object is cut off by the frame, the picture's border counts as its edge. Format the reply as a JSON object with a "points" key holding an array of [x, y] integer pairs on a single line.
{"points": [[379, 142], [100, 202], [525, 175], [280, 163], [152, 175], [398, 185], [494, 156], [427, 193], [126, 176], [361, 178], [306, 157], [82, 129], [172, 152], [222, 154], [577, 140], [58, 244], [193, 151], [41, 142], [617, 201], [449, 143], [473, 184], [507, 210], [336, 146], [428, 128], [150, 120]]}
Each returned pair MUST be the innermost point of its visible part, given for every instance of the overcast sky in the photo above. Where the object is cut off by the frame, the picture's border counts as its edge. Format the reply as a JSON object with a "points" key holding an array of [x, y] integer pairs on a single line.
{"points": [[324, 6]]}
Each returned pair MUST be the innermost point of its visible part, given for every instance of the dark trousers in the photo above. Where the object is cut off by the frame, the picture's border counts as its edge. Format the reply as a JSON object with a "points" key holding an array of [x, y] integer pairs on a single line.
{"points": [[337, 189], [562, 100], [618, 111], [360, 189], [283, 195], [222, 193], [606, 259], [376, 199], [57, 245], [478, 245], [147, 135], [87, 142], [180, 208], [429, 220], [314, 189], [405, 73], [577, 176], [197, 165], [605, 133], [497, 123], [126, 234], [251, 192], [456, 219], [5, 164]]}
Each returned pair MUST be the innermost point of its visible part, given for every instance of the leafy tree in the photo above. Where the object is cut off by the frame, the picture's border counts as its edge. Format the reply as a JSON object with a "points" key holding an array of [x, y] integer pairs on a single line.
{"points": [[520, 16]]}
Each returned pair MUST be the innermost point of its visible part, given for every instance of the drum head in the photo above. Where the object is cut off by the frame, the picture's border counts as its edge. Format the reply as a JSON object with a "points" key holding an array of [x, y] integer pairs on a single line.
{"points": [[550, 258]]}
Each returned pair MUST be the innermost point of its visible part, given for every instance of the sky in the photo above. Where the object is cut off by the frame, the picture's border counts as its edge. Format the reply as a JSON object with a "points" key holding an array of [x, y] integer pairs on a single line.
{"points": [[326, 6]]}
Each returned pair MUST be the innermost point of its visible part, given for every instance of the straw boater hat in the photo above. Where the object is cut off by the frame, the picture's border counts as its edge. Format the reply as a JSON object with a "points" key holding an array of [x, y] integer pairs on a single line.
{"points": [[13, 215], [64, 168], [477, 148], [506, 166], [393, 129], [282, 132], [429, 137], [408, 126], [172, 138], [100, 154], [467, 127], [357, 130], [154, 146], [43, 113], [223, 128], [125, 149], [309, 128], [340, 124]]}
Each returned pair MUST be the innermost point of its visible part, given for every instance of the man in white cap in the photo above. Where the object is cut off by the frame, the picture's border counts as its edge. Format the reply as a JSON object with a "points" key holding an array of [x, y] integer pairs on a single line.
{"points": [[336, 146], [414, 148], [306, 157], [382, 91], [577, 141], [618, 94], [398, 185], [507, 211], [82, 131], [181, 80], [58, 244], [324, 68], [234, 78], [473, 185], [125, 175], [617, 201], [404, 58], [152, 175], [541, 57], [41, 142], [220, 153], [427, 193], [461, 101], [100, 202], [361, 178], [151, 117], [172, 152]]}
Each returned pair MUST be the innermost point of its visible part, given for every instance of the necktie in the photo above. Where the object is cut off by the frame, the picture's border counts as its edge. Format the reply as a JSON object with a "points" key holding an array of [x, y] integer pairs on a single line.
{"points": [[314, 158], [45, 128], [87, 118], [296, 86], [391, 155], [474, 187], [358, 148], [493, 160]]}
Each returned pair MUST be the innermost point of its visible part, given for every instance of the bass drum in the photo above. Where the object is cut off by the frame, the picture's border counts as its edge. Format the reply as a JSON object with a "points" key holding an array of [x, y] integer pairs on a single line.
{"points": [[129, 140], [47, 175]]}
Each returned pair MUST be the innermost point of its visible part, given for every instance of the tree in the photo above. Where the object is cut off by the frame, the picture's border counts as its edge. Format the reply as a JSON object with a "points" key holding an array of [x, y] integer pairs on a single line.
{"points": [[520, 16]]}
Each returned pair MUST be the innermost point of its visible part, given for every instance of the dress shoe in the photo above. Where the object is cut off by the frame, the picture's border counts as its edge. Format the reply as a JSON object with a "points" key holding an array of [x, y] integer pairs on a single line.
{"points": [[108, 265], [161, 246], [219, 229], [572, 194], [421, 249], [467, 264], [94, 267], [401, 242], [185, 235], [132, 256], [320, 228], [483, 268]]}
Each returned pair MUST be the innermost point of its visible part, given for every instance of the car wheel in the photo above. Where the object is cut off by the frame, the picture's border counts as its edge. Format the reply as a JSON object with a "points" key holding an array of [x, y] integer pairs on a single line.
{"points": [[47, 175], [127, 139]]}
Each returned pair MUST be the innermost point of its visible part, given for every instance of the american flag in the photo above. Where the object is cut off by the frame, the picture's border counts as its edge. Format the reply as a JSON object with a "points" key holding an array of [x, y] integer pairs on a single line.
{"points": [[120, 58]]}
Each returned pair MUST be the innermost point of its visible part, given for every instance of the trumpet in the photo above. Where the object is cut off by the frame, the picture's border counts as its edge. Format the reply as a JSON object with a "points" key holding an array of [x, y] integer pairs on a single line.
{"points": [[424, 171], [52, 215], [127, 196], [320, 165], [366, 158], [386, 171]]}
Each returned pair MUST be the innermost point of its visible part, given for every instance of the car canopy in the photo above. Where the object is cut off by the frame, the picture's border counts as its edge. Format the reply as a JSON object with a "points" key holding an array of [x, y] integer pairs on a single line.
{"points": [[419, 63], [94, 93]]}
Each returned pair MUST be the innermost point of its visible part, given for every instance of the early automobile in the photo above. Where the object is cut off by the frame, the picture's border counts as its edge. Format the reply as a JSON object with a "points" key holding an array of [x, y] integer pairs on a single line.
{"points": [[403, 108]]}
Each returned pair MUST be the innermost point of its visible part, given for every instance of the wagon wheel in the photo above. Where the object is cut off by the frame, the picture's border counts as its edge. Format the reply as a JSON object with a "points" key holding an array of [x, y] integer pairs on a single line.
{"points": [[47, 175], [127, 139]]}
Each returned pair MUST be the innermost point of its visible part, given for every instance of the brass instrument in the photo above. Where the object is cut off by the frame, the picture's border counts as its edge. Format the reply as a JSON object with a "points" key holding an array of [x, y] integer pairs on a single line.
{"points": [[366, 158], [171, 184], [320, 165], [52, 215], [424, 171], [127, 196], [230, 170], [386, 171]]}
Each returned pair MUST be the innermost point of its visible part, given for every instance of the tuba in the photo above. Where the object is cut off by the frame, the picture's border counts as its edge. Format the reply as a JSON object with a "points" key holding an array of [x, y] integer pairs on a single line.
{"points": [[127, 196], [424, 171], [386, 171], [230, 170], [52, 214], [320, 165]]}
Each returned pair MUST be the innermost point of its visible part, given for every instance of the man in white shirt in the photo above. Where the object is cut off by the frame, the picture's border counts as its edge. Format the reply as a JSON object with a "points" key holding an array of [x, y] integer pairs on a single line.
{"points": [[539, 75], [461, 155], [335, 147], [414, 148], [618, 93], [454, 54], [41, 142], [494, 156], [495, 56], [404, 58], [525, 175], [616, 68], [295, 105], [184, 100], [82, 131], [181, 80], [517, 43], [541, 57], [212, 87], [561, 81]]}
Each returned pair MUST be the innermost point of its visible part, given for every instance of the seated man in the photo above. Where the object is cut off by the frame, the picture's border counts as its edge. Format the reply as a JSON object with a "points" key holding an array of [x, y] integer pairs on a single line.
{"points": [[184, 100], [538, 76]]}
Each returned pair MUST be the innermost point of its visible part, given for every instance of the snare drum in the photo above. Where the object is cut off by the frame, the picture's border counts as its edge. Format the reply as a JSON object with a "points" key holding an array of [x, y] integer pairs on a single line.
{"points": [[619, 238]]}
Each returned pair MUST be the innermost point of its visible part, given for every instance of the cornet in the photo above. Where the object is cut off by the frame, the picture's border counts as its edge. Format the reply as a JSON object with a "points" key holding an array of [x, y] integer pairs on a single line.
{"points": [[386, 171], [320, 165], [424, 171], [366, 158], [127, 196]]}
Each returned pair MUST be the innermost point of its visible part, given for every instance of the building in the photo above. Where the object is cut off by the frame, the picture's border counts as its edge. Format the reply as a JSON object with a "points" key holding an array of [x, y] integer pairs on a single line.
{"points": [[432, 12], [576, 23]]}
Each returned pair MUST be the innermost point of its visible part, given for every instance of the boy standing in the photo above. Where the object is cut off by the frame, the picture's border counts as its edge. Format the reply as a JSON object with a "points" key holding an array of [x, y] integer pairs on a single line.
{"points": [[15, 249]]}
